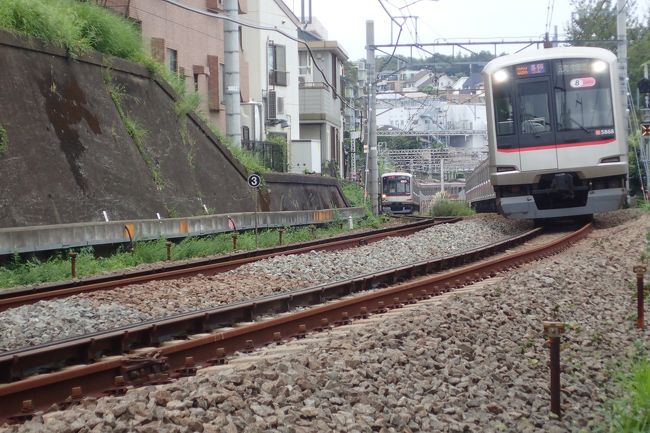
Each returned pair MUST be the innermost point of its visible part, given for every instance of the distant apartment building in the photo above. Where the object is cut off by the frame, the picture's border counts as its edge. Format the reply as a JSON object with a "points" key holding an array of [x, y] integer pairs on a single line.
{"points": [[321, 116], [189, 44], [273, 72]]}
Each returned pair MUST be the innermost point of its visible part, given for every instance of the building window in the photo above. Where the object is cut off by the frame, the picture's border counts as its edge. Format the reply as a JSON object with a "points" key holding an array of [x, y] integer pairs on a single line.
{"points": [[335, 76], [304, 60], [222, 84], [277, 65], [172, 60]]}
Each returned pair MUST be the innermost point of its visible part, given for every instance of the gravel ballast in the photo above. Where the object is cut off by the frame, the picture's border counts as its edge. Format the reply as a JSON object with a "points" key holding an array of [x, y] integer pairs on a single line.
{"points": [[472, 362], [158, 299]]}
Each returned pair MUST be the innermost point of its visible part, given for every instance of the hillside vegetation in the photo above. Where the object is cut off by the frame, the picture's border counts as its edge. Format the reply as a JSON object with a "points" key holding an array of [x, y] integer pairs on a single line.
{"points": [[82, 27]]}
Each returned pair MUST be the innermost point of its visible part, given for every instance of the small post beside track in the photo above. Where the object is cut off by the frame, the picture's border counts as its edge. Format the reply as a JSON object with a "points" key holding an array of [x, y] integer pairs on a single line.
{"points": [[168, 244], [639, 271], [553, 331], [73, 263]]}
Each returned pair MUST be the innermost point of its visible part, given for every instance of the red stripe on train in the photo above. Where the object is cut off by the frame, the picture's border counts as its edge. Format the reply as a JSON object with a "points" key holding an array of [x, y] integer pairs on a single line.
{"points": [[553, 146]]}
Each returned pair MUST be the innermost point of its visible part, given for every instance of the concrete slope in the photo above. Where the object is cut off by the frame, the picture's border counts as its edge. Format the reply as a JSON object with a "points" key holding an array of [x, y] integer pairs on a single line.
{"points": [[68, 155]]}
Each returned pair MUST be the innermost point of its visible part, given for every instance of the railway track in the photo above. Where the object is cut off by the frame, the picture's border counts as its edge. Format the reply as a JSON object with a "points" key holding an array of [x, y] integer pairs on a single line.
{"points": [[12, 298], [155, 352]]}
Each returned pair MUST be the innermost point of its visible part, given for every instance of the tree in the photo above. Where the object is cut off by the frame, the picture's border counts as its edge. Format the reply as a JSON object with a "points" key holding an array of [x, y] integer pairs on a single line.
{"points": [[593, 23]]}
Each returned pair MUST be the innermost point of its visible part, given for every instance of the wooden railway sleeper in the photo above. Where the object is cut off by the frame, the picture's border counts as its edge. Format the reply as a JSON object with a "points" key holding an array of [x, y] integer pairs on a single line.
{"points": [[324, 325], [119, 387], [26, 413], [220, 358], [75, 397], [153, 339], [189, 369], [252, 313], [344, 320]]}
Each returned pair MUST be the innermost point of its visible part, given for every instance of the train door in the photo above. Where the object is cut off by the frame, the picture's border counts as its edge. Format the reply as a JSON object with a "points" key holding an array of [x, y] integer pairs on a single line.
{"points": [[537, 142]]}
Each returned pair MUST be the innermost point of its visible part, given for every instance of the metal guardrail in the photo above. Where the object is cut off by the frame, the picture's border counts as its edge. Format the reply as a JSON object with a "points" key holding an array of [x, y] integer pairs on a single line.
{"points": [[53, 237]]}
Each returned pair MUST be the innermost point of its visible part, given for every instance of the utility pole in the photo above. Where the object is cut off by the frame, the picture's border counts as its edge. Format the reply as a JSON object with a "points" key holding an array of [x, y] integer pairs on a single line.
{"points": [[645, 139], [373, 188], [231, 73]]}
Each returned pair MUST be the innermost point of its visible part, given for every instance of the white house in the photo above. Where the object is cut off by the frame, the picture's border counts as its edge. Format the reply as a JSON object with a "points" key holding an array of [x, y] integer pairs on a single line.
{"points": [[273, 108]]}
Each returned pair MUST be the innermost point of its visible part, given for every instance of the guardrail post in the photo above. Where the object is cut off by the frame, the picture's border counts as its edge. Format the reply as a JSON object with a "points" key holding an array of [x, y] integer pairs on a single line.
{"points": [[639, 271], [312, 231], [168, 244], [553, 331], [280, 232], [73, 263]]}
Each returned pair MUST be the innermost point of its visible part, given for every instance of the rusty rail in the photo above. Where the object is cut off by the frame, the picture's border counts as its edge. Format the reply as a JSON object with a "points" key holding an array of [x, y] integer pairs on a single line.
{"points": [[17, 297], [113, 375]]}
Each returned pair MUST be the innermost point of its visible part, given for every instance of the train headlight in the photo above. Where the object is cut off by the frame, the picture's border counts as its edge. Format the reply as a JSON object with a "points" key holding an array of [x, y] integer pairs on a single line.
{"points": [[383, 196], [599, 66], [500, 76]]}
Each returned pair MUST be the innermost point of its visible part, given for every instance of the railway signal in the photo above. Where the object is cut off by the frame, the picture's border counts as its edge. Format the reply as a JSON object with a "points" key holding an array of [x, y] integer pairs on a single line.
{"points": [[645, 130]]}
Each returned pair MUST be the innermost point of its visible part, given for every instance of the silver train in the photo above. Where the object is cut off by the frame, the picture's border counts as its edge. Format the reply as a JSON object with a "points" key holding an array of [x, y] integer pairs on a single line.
{"points": [[397, 193], [556, 135]]}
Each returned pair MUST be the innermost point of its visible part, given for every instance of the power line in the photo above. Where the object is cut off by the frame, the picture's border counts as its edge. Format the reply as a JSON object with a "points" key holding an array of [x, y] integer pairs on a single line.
{"points": [[271, 29]]}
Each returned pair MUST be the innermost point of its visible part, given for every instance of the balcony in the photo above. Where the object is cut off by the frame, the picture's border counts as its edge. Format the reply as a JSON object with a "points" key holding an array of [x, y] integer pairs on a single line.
{"points": [[317, 103]]}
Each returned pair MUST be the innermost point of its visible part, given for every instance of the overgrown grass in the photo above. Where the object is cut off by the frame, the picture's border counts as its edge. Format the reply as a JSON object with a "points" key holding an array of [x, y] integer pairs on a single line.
{"points": [[81, 27], [57, 268], [444, 207], [77, 26], [355, 197], [631, 412], [249, 160], [137, 133], [4, 140]]}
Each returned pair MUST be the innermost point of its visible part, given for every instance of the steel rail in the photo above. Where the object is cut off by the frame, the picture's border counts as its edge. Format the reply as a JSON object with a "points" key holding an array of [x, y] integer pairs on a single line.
{"points": [[17, 297], [156, 364]]}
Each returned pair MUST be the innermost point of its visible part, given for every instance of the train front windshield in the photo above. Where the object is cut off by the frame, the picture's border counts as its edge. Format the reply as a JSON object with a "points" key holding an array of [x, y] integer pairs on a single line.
{"points": [[553, 102], [396, 185]]}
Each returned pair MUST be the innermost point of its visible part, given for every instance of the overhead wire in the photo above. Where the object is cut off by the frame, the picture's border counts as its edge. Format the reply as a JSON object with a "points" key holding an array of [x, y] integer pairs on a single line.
{"points": [[271, 29]]}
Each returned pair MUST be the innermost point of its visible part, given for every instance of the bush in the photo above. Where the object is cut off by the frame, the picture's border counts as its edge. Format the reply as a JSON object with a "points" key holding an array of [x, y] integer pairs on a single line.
{"points": [[446, 207]]}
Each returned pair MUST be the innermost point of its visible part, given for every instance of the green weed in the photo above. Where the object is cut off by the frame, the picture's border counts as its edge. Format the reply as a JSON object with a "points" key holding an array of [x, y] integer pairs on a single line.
{"points": [[4, 140], [446, 207], [57, 268], [631, 412]]}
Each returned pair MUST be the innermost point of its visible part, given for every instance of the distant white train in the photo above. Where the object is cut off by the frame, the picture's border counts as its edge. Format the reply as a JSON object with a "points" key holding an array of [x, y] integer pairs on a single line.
{"points": [[397, 195], [556, 135]]}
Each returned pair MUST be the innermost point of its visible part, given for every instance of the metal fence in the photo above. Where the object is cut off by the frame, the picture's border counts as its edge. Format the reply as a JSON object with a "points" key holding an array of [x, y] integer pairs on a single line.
{"points": [[271, 154]]}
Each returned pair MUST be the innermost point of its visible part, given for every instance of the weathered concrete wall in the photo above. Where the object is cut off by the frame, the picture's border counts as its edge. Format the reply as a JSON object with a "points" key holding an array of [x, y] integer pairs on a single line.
{"points": [[69, 156], [303, 192]]}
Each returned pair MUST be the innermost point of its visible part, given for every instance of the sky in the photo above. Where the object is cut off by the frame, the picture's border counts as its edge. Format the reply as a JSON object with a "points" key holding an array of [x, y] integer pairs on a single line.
{"points": [[440, 21]]}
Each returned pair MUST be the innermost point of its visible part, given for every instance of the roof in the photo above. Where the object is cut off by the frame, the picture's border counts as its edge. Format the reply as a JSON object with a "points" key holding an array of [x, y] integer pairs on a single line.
{"points": [[474, 81], [332, 46], [294, 19]]}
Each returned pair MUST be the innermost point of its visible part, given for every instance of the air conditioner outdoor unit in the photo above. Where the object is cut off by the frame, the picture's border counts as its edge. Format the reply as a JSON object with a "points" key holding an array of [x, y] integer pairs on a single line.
{"points": [[279, 105], [271, 109]]}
